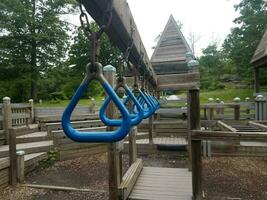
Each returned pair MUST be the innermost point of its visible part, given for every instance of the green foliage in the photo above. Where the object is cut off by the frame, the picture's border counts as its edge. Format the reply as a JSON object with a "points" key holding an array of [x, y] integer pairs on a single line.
{"points": [[211, 68], [231, 63], [33, 40], [52, 156], [242, 42], [79, 57]]}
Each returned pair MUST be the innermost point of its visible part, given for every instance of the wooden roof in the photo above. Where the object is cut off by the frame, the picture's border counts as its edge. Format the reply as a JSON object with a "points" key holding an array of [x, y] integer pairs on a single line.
{"points": [[172, 46], [260, 56]]}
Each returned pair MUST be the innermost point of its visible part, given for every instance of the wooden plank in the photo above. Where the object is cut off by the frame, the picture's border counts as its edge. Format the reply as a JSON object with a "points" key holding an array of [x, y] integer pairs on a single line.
{"points": [[20, 115], [132, 145], [197, 169], [228, 136], [74, 153], [258, 125], [226, 127], [163, 183], [60, 133], [120, 32], [13, 157], [4, 173], [20, 106], [4, 163], [129, 179], [61, 188], [179, 86], [178, 78]]}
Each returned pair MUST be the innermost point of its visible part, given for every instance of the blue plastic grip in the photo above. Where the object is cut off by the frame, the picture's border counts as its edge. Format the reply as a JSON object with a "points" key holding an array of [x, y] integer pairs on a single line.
{"points": [[135, 119], [112, 136]]}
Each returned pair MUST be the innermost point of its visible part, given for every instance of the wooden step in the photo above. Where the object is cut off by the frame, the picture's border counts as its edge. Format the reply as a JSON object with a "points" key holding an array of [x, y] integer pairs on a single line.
{"points": [[32, 147], [76, 124], [163, 183], [31, 162], [140, 135], [61, 134], [32, 137], [24, 130]]}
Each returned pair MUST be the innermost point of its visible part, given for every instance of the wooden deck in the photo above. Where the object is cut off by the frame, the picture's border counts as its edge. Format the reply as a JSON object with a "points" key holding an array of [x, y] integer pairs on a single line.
{"points": [[163, 184], [163, 140]]}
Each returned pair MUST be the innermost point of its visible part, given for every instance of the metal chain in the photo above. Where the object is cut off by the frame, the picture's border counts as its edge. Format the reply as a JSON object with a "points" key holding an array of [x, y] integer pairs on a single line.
{"points": [[126, 55], [94, 37]]}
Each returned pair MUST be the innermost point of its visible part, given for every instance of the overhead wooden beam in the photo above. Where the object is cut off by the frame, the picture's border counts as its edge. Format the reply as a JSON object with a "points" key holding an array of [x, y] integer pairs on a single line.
{"points": [[179, 86], [120, 33], [187, 81]]}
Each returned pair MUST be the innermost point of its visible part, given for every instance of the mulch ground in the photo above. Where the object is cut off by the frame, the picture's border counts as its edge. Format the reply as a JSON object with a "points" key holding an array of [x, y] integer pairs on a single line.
{"points": [[223, 178]]}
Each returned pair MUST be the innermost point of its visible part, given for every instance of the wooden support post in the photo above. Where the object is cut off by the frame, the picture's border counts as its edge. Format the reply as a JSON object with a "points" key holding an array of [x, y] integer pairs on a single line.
{"points": [[31, 102], [257, 80], [157, 115], [196, 169], [205, 114], [237, 112], [150, 129], [193, 118], [132, 145], [7, 117], [114, 154], [12, 157], [210, 113], [248, 107], [20, 166]]}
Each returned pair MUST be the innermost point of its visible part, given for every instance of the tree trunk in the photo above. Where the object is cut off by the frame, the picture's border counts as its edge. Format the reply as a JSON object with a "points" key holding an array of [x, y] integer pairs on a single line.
{"points": [[34, 72]]}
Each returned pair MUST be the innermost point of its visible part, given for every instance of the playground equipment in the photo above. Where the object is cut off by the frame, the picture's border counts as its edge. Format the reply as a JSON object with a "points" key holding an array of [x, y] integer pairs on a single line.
{"points": [[141, 103], [94, 72]]}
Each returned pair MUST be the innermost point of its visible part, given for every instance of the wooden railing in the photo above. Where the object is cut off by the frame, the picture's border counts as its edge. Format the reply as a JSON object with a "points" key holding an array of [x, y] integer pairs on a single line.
{"points": [[21, 114], [198, 136], [220, 111], [16, 114]]}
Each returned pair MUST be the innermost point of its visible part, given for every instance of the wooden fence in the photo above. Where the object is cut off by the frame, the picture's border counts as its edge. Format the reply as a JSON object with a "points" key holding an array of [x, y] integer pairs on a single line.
{"points": [[58, 111], [198, 136], [21, 114], [230, 111], [12, 115]]}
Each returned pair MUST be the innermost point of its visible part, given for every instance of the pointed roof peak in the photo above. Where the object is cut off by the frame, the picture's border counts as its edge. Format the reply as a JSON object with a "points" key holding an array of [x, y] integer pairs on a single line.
{"points": [[171, 16], [260, 56], [172, 45]]}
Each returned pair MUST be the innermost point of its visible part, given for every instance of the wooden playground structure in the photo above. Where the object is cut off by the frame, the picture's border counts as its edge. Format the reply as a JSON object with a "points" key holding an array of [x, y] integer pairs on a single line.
{"points": [[212, 129]]}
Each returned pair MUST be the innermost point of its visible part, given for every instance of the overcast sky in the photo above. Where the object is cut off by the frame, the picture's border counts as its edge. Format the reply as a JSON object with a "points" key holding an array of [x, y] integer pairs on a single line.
{"points": [[211, 19]]}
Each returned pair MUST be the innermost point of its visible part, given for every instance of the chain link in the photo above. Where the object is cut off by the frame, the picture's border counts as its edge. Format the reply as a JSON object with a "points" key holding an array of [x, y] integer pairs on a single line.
{"points": [[92, 36]]}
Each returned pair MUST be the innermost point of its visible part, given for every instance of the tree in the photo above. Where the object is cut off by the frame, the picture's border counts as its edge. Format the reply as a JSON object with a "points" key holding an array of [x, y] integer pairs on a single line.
{"points": [[79, 57], [211, 67], [33, 40], [193, 38], [242, 42]]}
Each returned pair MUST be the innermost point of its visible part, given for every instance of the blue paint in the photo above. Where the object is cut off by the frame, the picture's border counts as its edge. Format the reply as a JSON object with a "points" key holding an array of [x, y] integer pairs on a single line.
{"points": [[112, 136], [135, 119]]}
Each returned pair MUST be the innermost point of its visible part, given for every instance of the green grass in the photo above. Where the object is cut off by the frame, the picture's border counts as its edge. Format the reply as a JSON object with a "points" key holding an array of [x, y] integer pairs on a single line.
{"points": [[226, 95], [64, 103]]}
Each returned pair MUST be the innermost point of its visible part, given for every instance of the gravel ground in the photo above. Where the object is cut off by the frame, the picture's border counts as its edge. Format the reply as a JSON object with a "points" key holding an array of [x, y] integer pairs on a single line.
{"points": [[223, 178], [240, 178]]}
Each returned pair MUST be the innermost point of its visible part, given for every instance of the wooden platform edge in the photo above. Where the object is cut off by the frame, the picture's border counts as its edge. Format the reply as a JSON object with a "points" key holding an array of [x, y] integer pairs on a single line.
{"points": [[130, 178]]}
